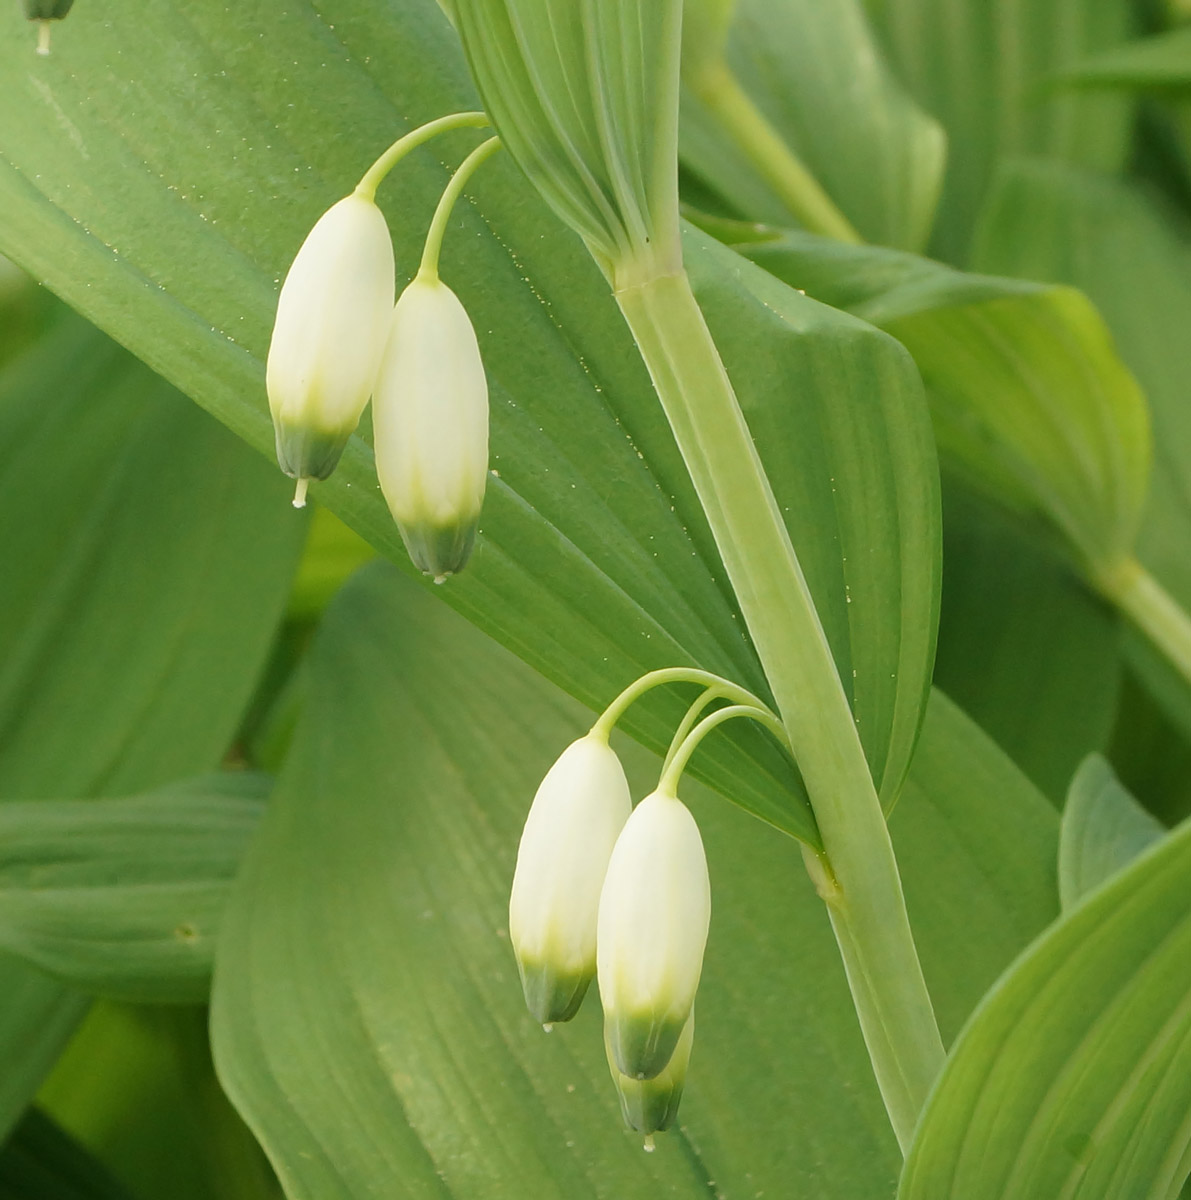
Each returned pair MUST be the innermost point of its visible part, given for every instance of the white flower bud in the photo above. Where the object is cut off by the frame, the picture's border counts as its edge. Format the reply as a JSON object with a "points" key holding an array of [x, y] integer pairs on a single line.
{"points": [[332, 320], [650, 1105], [655, 909], [430, 426], [578, 811]]}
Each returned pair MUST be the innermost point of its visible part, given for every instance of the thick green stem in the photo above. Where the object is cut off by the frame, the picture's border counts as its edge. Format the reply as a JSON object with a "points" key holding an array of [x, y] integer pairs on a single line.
{"points": [[865, 898], [1152, 609], [799, 190]]}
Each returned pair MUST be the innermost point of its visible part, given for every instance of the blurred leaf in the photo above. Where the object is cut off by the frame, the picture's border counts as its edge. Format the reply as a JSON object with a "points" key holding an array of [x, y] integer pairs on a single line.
{"points": [[1073, 1077], [1029, 399], [368, 1020], [155, 556], [136, 1087], [1103, 830], [124, 897], [1158, 62], [1130, 256], [42, 1162], [1024, 648], [595, 561], [332, 553], [985, 68], [878, 156]]}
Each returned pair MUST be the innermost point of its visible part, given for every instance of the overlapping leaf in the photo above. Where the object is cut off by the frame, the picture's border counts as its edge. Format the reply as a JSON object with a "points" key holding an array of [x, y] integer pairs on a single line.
{"points": [[42, 1162], [1103, 829], [877, 155], [154, 567], [986, 69], [368, 1018], [1029, 398], [1073, 1077], [595, 563], [1118, 244], [124, 897]]}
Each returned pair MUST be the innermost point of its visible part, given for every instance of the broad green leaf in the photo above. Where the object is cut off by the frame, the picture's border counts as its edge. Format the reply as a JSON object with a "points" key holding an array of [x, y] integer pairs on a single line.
{"points": [[985, 68], [154, 564], [1073, 1078], [595, 563], [42, 1162], [1117, 244], [1103, 829], [1024, 648], [1030, 400], [877, 155], [124, 897], [368, 1020]]}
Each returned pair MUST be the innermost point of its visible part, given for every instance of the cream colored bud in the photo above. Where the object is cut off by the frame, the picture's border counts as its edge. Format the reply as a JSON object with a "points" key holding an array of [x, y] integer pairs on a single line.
{"points": [[655, 909], [430, 426], [650, 1105], [332, 320], [577, 813]]}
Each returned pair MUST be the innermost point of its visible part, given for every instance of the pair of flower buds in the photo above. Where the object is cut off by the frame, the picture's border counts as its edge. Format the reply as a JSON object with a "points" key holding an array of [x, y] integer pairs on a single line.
{"points": [[602, 888], [339, 340]]}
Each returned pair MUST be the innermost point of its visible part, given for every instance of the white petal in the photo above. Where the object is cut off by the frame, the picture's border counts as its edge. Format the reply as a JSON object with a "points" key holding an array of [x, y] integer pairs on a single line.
{"points": [[578, 812], [430, 420], [655, 909], [332, 319]]}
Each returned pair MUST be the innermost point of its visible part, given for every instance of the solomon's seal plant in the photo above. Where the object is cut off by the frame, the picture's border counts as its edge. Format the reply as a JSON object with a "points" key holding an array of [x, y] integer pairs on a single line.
{"points": [[720, 435]]}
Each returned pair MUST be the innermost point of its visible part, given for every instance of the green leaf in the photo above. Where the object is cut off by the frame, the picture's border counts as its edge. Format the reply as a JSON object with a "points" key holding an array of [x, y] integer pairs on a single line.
{"points": [[1103, 830], [985, 69], [1073, 1077], [1154, 63], [595, 562], [385, 934], [1024, 648], [155, 559], [1029, 399], [42, 1162], [1112, 240], [877, 155], [123, 898]]}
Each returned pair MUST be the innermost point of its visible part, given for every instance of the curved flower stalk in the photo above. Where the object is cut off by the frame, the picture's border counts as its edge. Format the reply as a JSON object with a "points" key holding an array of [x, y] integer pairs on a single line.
{"points": [[577, 815]]}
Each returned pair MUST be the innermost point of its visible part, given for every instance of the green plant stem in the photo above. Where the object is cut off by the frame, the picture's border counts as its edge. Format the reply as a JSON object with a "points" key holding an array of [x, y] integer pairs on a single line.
{"points": [[1152, 609], [800, 191], [863, 892], [376, 173], [646, 683], [677, 762], [446, 204]]}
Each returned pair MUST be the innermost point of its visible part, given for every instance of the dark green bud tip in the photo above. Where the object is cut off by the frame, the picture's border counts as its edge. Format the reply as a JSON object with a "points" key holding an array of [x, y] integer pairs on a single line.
{"points": [[439, 550], [304, 453], [47, 10], [642, 1046], [552, 997], [650, 1105]]}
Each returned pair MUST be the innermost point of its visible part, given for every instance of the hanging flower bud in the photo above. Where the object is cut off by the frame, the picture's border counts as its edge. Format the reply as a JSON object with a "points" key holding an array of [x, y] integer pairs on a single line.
{"points": [[430, 426], [580, 808], [332, 318], [650, 1105], [654, 912]]}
